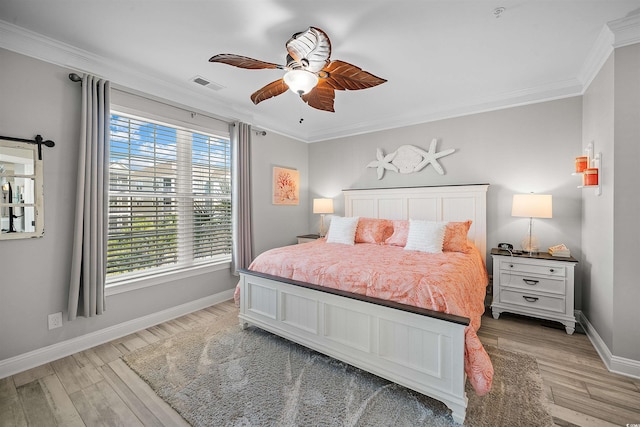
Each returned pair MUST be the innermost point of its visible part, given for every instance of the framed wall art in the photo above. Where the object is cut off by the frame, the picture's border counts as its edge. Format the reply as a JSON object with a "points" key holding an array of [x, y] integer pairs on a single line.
{"points": [[286, 186]]}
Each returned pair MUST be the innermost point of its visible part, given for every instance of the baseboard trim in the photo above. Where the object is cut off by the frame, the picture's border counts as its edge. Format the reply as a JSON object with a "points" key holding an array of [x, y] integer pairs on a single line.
{"points": [[56, 351], [615, 364]]}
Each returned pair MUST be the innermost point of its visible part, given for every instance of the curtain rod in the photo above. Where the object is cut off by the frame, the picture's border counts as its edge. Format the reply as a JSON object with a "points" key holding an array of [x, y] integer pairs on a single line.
{"points": [[77, 79], [257, 131]]}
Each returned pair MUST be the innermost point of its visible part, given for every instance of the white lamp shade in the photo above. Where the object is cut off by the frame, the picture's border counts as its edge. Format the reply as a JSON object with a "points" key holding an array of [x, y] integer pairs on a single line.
{"points": [[300, 81], [322, 206], [532, 205]]}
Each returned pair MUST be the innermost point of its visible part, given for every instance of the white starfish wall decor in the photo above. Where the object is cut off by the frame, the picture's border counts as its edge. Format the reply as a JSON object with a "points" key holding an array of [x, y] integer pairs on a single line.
{"points": [[409, 159]]}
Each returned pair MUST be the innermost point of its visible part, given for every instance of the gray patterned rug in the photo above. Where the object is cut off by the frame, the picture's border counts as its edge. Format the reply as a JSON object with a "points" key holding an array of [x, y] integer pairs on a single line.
{"points": [[224, 376]]}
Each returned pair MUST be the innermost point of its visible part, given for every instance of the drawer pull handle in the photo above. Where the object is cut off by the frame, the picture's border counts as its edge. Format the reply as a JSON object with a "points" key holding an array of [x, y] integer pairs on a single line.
{"points": [[530, 282], [551, 270], [510, 265], [530, 299]]}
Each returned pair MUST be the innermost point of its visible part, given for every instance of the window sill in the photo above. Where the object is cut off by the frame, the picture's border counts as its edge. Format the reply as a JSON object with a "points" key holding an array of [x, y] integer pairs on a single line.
{"points": [[134, 283]]}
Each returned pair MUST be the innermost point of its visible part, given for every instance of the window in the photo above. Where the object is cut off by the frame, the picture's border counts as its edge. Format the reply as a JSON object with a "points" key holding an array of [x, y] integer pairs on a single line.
{"points": [[169, 197]]}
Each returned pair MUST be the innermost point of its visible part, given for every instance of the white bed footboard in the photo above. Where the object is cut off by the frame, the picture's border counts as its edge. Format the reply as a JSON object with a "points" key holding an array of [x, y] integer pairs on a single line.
{"points": [[416, 348]]}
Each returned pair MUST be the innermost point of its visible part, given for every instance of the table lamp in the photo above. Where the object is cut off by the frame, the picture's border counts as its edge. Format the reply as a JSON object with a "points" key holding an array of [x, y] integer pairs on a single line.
{"points": [[322, 206], [531, 206]]}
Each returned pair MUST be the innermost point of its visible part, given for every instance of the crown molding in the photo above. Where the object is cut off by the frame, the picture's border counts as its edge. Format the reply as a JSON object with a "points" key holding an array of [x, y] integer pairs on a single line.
{"points": [[626, 30], [597, 56], [553, 91], [29, 43], [619, 33], [38, 46], [616, 33]]}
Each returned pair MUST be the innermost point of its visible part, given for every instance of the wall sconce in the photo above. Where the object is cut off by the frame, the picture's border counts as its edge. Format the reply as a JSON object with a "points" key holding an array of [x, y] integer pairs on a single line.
{"points": [[322, 207], [531, 206], [588, 167]]}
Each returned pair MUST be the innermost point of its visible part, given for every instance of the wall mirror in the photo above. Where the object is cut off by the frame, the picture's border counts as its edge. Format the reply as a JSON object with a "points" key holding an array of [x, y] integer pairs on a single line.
{"points": [[21, 204]]}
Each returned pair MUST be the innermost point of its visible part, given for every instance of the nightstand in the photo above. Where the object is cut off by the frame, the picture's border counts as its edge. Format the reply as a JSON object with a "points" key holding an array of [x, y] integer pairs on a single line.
{"points": [[307, 238], [539, 285]]}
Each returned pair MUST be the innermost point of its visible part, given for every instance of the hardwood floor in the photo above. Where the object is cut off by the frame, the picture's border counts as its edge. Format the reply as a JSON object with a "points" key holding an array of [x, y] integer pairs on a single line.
{"points": [[580, 389], [95, 388]]}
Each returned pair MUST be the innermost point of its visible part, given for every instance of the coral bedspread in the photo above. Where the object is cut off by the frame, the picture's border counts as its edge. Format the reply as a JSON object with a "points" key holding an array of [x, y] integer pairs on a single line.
{"points": [[451, 282]]}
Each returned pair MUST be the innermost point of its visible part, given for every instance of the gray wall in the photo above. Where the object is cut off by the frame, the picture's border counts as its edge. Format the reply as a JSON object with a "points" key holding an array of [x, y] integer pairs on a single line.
{"points": [[516, 150], [37, 97], [277, 225], [626, 206], [597, 220], [611, 237]]}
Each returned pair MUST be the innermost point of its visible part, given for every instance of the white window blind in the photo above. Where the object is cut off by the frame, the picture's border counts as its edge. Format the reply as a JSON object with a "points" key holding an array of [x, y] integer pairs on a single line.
{"points": [[169, 197]]}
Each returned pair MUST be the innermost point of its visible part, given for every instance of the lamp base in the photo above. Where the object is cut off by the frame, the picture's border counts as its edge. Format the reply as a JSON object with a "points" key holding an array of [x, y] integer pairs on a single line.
{"points": [[322, 231], [530, 244]]}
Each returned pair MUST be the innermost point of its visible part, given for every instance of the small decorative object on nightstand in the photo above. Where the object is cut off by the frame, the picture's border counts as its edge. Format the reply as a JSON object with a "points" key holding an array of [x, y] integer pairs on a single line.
{"points": [[537, 285], [307, 238]]}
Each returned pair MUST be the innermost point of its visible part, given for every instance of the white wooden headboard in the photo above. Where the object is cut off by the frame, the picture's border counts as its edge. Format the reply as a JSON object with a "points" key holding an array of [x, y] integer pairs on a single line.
{"points": [[442, 203]]}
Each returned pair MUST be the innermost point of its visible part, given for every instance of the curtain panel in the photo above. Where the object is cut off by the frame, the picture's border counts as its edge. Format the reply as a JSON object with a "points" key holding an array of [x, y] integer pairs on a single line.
{"points": [[242, 253], [88, 264]]}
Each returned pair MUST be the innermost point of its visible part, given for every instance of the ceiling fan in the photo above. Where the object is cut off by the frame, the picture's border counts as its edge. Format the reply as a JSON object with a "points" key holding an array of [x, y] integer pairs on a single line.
{"points": [[310, 73]]}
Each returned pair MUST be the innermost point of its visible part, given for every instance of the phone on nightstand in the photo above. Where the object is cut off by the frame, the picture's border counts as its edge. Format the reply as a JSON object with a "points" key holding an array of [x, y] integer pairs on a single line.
{"points": [[506, 246]]}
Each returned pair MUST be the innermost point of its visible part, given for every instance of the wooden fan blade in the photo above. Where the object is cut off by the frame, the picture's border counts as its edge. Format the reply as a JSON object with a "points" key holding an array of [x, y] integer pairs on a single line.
{"points": [[321, 97], [243, 62], [269, 91], [345, 76]]}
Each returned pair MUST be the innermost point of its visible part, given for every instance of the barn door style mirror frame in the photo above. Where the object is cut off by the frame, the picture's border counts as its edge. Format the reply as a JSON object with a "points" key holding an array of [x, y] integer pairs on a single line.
{"points": [[21, 187]]}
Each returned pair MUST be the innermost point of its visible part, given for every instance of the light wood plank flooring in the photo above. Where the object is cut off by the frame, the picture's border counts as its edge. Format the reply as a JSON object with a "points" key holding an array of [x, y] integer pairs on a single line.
{"points": [[580, 389], [95, 388]]}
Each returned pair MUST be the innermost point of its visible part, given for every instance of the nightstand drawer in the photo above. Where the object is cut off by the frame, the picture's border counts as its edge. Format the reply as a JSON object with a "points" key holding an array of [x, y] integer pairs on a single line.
{"points": [[532, 283], [539, 302], [528, 267]]}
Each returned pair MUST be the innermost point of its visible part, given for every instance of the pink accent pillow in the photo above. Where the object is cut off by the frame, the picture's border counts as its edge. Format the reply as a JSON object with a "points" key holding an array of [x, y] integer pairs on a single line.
{"points": [[400, 233], [373, 230], [455, 237]]}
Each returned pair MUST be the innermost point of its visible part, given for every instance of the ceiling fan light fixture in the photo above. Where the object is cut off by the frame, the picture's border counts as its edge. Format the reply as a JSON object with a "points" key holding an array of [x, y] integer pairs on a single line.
{"points": [[300, 81], [307, 62]]}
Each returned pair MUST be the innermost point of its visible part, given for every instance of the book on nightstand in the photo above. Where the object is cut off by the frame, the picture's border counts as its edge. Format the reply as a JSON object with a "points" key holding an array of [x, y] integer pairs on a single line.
{"points": [[560, 251]]}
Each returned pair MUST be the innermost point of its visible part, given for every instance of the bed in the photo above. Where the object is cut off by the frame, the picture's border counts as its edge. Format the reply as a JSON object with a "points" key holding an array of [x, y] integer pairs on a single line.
{"points": [[422, 349]]}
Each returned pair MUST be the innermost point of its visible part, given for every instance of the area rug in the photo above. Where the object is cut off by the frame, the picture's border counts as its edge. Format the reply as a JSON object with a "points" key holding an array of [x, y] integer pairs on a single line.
{"points": [[225, 376]]}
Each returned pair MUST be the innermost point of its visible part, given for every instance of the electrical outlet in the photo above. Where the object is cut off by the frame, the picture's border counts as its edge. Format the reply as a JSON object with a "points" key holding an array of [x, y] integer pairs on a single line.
{"points": [[55, 320]]}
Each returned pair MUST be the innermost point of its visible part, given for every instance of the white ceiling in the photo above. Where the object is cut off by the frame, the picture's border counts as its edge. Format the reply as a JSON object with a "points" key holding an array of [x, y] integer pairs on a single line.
{"points": [[441, 58]]}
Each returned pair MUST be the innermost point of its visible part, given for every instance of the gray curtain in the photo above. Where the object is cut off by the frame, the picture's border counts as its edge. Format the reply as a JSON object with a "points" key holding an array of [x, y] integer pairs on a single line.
{"points": [[89, 257], [241, 196]]}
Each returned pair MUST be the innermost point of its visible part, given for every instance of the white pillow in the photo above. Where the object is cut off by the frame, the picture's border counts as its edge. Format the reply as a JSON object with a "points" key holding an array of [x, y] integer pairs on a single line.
{"points": [[425, 236], [342, 230]]}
